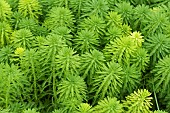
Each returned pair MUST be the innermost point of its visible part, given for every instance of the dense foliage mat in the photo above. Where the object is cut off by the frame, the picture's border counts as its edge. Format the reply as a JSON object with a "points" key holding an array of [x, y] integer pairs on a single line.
{"points": [[84, 56]]}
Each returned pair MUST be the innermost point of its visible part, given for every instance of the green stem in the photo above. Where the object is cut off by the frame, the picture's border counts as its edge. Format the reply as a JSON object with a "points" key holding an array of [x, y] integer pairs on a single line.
{"points": [[79, 9], [35, 79], [2, 37], [7, 92], [53, 75], [66, 3], [156, 100]]}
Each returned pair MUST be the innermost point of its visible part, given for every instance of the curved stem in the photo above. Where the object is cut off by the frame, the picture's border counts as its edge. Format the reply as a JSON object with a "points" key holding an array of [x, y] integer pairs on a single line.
{"points": [[156, 100]]}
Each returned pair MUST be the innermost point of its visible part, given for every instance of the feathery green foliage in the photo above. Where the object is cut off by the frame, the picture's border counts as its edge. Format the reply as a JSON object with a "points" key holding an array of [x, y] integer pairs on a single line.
{"points": [[121, 49], [58, 55], [95, 7], [90, 62], [109, 105], [158, 46], [114, 19], [112, 33], [160, 111], [13, 4], [126, 11], [72, 87], [67, 62], [30, 65], [5, 11], [30, 8], [155, 22], [140, 13], [59, 16], [108, 82], [4, 110], [138, 102], [76, 7], [84, 108], [28, 24], [15, 19], [140, 59], [22, 38], [86, 41], [95, 24], [49, 48], [5, 55], [64, 33], [70, 106], [12, 84], [5, 33], [161, 75], [131, 79], [30, 111]]}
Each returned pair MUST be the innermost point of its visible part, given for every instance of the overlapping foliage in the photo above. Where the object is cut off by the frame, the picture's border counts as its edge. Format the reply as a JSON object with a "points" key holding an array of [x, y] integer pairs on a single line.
{"points": [[84, 56]]}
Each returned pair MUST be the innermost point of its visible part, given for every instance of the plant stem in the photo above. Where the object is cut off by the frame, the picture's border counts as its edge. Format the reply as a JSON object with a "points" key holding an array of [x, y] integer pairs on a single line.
{"points": [[157, 105], [35, 79], [53, 74], [7, 93]]}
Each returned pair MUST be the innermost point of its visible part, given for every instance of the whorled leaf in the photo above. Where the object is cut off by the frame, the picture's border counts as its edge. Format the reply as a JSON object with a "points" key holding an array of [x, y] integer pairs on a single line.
{"points": [[109, 105], [160, 111], [22, 38], [30, 66], [76, 7], [108, 82], [158, 46], [14, 86], [161, 75], [155, 22], [140, 59], [131, 79], [86, 41], [5, 33], [126, 30], [30, 8], [59, 17], [90, 63], [125, 9], [5, 55], [64, 33], [84, 108], [140, 14], [112, 33], [30, 111], [69, 106], [26, 23], [121, 49], [5, 11], [138, 102], [72, 86], [15, 19], [49, 47], [95, 7], [114, 19], [95, 24], [67, 62], [138, 38]]}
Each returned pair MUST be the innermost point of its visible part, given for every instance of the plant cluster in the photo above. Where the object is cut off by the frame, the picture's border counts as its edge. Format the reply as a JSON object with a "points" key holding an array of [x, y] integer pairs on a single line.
{"points": [[84, 56]]}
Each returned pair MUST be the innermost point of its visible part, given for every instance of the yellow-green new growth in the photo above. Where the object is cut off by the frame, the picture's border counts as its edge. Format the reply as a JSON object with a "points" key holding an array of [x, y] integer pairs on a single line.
{"points": [[19, 51], [84, 108], [138, 102], [5, 10], [137, 37], [29, 8]]}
